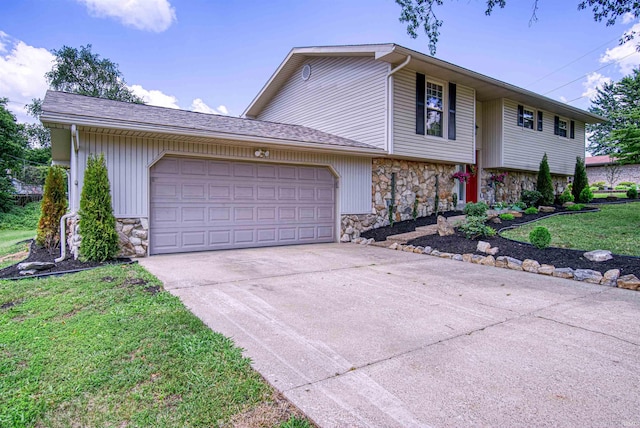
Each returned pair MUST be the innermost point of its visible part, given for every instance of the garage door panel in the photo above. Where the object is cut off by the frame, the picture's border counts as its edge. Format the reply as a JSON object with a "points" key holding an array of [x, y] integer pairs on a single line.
{"points": [[199, 205]]}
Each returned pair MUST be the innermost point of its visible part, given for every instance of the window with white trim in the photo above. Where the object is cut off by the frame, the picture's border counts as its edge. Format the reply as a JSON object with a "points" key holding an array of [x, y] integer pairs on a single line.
{"points": [[435, 108], [527, 118]]}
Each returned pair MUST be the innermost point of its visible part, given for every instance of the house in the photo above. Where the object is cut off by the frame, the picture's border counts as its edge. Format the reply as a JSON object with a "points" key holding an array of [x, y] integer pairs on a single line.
{"points": [[603, 168], [317, 153]]}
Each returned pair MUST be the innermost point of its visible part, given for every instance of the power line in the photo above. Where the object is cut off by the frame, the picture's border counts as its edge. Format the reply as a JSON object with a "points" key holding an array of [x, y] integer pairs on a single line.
{"points": [[586, 75], [572, 62]]}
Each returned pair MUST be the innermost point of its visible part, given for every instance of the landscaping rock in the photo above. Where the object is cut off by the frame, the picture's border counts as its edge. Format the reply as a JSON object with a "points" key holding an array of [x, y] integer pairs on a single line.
{"points": [[566, 273], [501, 262], [630, 282], [28, 272], [587, 275], [457, 257], [445, 255], [610, 277], [545, 209], [418, 250], [546, 269], [493, 251], [568, 204], [408, 249], [345, 238], [598, 255], [488, 261], [476, 259], [516, 214], [427, 250], [394, 246], [444, 227], [435, 253], [496, 220], [513, 264], [358, 240], [483, 246], [529, 265], [35, 266], [467, 257]]}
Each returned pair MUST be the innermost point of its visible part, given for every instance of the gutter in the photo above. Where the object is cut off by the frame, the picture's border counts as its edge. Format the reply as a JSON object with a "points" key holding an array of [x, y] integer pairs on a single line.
{"points": [[389, 106], [73, 193]]}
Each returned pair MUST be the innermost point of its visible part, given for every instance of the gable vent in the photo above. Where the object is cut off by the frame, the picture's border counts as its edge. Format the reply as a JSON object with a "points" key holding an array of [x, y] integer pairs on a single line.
{"points": [[306, 72]]}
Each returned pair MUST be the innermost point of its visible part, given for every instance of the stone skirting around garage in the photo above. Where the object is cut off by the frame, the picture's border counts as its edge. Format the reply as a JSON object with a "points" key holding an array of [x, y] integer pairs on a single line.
{"points": [[413, 180], [514, 183], [133, 236]]}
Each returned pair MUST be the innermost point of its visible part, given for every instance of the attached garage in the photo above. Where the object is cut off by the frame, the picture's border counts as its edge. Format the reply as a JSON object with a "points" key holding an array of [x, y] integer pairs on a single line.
{"points": [[208, 204]]}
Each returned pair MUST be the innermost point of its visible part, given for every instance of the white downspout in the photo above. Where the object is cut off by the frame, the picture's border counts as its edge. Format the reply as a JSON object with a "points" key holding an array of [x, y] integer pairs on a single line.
{"points": [[73, 182], [390, 103]]}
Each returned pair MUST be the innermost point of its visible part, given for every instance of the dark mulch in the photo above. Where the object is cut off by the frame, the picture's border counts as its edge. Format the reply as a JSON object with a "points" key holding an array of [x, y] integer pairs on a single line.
{"points": [[381, 233], [39, 254], [559, 257]]}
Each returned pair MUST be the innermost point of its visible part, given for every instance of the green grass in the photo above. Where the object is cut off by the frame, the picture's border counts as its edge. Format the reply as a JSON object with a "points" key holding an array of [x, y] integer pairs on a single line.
{"points": [[615, 228], [619, 195], [21, 218], [9, 243], [100, 348]]}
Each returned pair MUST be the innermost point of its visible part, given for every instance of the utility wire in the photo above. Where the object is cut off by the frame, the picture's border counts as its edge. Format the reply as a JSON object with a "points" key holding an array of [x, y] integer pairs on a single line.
{"points": [[586, 75], [26, 160], [572, 62]]}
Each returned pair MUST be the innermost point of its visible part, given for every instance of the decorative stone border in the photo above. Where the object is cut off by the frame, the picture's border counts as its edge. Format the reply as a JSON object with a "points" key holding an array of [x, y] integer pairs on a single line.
{"points": [[610, 278]]}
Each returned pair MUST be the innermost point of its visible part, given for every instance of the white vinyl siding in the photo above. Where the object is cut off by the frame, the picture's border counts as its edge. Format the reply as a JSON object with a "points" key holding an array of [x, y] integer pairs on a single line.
{"points": [[523, 148], [424, 147], [491, 129], [129, 158], [343, 96]]}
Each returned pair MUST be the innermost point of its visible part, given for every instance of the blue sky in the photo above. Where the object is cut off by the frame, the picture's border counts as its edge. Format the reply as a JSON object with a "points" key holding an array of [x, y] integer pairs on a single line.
{"points": [[214, 56]]}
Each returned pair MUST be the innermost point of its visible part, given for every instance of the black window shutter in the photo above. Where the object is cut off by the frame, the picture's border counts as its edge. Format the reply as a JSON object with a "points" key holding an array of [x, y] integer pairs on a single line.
{"points": [[572, 132], [452, 110], [520, 115], [539, 121], [420, 98], [556, 125]]}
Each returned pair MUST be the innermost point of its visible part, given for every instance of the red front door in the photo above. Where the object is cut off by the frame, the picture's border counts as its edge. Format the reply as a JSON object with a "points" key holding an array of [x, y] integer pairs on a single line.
{"points": [[472, 186]]}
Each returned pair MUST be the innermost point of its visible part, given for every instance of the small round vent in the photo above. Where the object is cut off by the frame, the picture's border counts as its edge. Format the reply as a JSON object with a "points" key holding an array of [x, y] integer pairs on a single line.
{"points": [[306, 72]]}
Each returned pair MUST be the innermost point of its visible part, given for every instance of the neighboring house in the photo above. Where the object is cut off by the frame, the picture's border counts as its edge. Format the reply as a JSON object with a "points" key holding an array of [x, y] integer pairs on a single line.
{"points": [[603, 168], [318, 151]]}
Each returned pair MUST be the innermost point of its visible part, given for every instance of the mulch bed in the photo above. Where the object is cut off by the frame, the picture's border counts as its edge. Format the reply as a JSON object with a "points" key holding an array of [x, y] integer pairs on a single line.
{"points": [[39, 254], [459, 244]]}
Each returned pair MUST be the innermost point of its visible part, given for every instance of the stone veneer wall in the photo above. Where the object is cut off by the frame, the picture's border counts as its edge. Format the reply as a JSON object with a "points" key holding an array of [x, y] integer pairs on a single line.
{"points": [[514, 183], [413, 180], [627, 173], [133, 236]]}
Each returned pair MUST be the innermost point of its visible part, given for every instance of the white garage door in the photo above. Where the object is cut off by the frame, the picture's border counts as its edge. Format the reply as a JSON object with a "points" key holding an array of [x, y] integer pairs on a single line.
{"points": [[201, 204]]}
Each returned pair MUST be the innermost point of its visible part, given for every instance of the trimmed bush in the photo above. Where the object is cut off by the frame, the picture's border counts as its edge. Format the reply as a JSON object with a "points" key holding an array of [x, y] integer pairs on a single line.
{"points": [[53, 207], [507, 216], [540, 237], [531, 210], [600, 185], [566, 196], [621, 187], [531, 197], [576, 207], [474, 227], [544, 185], [580, 181], [97, 223], [519, 206], [627, 184], [477, 209], [586, 196], [632, 193]]}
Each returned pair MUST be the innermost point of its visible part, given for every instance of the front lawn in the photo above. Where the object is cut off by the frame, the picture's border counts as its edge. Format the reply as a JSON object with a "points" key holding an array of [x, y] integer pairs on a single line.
{"points": [[615, 228], [10, 244], [109, 347]]}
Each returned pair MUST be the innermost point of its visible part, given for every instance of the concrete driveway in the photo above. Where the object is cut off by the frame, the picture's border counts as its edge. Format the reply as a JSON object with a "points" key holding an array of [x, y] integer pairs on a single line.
{"points": [[366, 336]]}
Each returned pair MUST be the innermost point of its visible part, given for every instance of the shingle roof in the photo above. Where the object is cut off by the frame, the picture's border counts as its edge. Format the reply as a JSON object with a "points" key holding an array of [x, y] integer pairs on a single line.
{"points": [[597, 160], [59, 107]]}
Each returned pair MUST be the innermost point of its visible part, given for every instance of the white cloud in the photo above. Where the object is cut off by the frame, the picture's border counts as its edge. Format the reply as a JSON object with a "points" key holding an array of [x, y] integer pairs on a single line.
{"points": [[627, 18], [148, 15], [22, 70], [155, 97], [625, 56], [594, 81], [199, 106], [563, 99]]}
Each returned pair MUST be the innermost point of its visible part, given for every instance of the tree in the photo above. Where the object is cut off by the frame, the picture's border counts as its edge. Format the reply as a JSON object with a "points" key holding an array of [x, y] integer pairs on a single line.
{"points": [[618, 102], [54, 205], [544, 184], [626, 141], [420, 13], [85, 73], [612, 172], [580, 180], [11, 151], [97, 223]]}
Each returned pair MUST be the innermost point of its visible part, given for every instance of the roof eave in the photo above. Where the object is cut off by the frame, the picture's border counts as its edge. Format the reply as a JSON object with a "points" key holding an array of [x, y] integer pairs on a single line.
{"points": [[52, 118]]}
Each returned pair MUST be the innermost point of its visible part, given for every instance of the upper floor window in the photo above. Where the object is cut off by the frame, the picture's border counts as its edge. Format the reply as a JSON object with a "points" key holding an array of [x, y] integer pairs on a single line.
{"points": [[527, 117], [434, 109], [564, 128]]}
